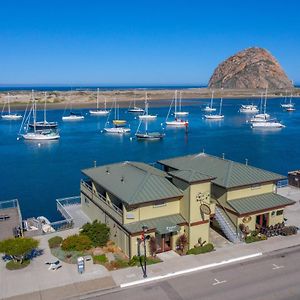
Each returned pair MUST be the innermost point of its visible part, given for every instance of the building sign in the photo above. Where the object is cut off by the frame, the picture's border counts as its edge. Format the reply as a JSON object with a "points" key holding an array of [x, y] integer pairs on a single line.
{"points": [[247, 219], [171, 228], [205, 209]]}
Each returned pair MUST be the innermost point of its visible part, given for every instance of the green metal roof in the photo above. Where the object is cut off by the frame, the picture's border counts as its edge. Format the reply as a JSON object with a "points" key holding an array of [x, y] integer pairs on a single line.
{"points": [[227, 173], [133, 182], [162, 225], [190, 175], [259, 203]]}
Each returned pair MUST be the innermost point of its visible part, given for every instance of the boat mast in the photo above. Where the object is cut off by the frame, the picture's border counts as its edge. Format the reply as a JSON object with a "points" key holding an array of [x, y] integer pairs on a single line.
{"points": [[34, 111], [265, 105], [97, 98], [8, 102], [146, 104], [175, 102], [211, 99], [45, 105], [221, 102], [180, 98]]}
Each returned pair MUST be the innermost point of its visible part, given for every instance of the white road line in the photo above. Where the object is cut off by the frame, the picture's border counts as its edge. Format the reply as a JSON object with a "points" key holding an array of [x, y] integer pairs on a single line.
{"points": [[275, 267], [160, 277], [218, 281]]}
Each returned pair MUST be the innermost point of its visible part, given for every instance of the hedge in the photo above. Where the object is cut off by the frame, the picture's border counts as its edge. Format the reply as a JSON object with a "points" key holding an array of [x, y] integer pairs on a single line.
{"points": [[55, 242], [199, 250]]}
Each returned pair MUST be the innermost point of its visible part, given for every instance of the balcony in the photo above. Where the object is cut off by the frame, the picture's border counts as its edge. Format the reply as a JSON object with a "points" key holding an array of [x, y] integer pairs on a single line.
{"points": [[100, 201]]}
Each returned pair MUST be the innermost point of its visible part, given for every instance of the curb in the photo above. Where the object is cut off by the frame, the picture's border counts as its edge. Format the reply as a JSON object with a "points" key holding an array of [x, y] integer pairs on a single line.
{"points": [[212, 265]]}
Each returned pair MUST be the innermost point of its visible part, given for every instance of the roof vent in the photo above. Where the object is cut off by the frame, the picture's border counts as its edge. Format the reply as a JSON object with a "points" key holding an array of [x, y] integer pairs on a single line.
{"points": [[246, 161], [122, 179], [95, 163], [107, 170], [223, 155]]}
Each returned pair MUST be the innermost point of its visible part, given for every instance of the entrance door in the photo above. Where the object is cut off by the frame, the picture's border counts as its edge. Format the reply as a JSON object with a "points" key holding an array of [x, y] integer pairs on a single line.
{"points": [[262, 220]]}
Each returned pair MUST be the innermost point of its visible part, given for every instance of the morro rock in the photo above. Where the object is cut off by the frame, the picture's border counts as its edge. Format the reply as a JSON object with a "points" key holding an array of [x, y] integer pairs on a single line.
{"points": [[252, 68]]}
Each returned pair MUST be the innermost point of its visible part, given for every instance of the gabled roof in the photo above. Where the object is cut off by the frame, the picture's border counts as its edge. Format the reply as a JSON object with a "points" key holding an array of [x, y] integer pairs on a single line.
{"points": [[259, 203], [190, 176], [162, 224], [227, 173], [134, 182]]}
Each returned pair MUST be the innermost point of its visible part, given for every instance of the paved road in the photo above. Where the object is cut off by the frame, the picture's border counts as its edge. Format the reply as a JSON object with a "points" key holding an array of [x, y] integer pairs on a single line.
{"points": [[273, 276]]}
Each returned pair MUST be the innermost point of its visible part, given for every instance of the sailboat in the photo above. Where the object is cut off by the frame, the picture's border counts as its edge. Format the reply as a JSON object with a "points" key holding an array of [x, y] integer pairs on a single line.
{"points": [[209, 108], [262, 116], [9, 115], [146, 135], [97, 111], [72, 115], [216, 116], [181, 113], [135, 109], [177, 122], [146, 115], [44, 124], [34, 133], [285, 104], [289, 106], [118, 125]]}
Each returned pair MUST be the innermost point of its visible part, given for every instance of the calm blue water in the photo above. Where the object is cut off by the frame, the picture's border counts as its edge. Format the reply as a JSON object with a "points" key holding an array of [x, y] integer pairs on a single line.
{"points": [[37, 175]]}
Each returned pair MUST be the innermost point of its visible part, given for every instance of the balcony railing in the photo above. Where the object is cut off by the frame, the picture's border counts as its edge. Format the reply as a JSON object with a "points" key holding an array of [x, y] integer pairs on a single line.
{"points": [[105, 205]]}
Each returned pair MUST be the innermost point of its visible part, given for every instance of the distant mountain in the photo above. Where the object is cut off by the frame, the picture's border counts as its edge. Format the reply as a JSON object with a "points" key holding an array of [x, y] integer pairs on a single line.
{"points": [[252, 68]]}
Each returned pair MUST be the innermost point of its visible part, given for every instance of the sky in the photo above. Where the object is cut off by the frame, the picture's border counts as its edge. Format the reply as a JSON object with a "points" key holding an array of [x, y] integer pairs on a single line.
{"points": [[139, 42]]}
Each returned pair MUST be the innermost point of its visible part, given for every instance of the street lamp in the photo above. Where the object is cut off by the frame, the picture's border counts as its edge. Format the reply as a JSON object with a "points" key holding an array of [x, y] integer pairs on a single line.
{"points": [[140, 240]]}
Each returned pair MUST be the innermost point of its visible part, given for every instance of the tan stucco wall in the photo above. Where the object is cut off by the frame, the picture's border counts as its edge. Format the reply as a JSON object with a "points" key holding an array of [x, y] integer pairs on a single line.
{"points": [[250, 191], [91, 210], [150, 211], [198, 231], [134, 245]]}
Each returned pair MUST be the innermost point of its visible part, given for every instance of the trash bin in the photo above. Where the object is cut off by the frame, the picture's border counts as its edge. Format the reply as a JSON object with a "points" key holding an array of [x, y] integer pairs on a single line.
{"points": [[80, 265]]}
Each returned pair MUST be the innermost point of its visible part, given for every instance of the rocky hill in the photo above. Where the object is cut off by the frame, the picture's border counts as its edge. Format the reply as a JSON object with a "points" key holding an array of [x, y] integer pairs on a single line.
{"points": [[252, 68]]}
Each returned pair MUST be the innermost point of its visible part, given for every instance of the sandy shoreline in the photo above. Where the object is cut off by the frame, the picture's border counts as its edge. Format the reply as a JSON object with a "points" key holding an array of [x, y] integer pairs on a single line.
{"points": [[87, 99]]}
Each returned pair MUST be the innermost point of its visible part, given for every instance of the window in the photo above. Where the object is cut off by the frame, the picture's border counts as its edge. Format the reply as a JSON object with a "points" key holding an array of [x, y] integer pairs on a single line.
{"points": [[159, 204], [279, 212], [255, 186]]}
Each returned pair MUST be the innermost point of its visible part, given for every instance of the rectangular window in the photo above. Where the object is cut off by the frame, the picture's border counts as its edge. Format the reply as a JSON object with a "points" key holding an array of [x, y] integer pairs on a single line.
{"points": [[159, 204], [279, 212], [129, 216], [255, 186]]}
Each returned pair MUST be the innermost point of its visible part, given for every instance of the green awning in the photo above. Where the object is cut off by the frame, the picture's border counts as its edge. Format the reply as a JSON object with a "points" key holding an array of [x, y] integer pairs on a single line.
{"points": [[164, 229], [257, 203]]}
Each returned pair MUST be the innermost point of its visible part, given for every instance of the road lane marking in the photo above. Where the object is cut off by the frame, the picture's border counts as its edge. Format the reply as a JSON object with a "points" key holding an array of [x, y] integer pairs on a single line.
{"points": [[218, 281], [275, 267], [199, 268]]}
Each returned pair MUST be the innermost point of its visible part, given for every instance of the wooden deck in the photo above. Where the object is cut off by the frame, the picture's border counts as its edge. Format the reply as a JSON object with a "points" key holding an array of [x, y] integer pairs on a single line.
{"points": [[9, 219]]}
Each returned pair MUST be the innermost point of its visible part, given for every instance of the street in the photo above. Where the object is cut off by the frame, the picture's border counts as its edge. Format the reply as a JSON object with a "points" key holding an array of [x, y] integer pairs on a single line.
{"points": [[273, 276]]}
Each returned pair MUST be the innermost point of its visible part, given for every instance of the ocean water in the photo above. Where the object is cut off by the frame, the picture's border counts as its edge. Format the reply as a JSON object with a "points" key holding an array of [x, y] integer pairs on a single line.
{"points": [[38, 174]]}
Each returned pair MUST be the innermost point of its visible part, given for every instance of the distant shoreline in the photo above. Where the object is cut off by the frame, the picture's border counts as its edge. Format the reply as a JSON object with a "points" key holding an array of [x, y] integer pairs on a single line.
{"points": [[87, 98]]}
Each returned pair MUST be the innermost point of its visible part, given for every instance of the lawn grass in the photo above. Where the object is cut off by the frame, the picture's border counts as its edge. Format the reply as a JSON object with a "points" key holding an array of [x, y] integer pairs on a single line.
{"points": [[12, 265]]}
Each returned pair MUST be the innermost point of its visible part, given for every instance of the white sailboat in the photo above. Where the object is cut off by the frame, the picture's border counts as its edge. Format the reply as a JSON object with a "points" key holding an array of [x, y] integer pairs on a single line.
{"points": [[250, 108], [134, 108], [9, 115], [119, 126], [263, 116], [181, 113], [44, 124], [97, 111], [289, 106], [209, 108], [148, 135], [72, 116], [177, 122], [146, 115], [285, 104], [216, 116], [34, 133], [267, 124]]}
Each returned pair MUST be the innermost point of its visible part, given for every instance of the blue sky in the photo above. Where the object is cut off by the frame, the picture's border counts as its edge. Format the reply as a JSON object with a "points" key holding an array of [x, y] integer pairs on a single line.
{"points": [[139, 42]]}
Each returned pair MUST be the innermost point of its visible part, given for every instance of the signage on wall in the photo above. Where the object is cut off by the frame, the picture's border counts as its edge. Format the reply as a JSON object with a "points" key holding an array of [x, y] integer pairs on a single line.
{"points": [[205, 209], [247, 219]]}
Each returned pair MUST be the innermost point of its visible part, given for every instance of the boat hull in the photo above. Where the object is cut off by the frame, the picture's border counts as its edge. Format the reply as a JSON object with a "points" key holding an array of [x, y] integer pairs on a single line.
{"points": [[40, 136], [12, 117], [147, 117], [177, 123], [209, 109], [266, 125], [72, 118], [44, 125], [117, 130], [214, 117], [99, 112], [149, 136], [182, 113]]}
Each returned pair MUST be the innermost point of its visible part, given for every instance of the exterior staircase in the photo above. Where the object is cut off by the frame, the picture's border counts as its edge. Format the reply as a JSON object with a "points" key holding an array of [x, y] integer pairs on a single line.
{"points": [[231, 232]]}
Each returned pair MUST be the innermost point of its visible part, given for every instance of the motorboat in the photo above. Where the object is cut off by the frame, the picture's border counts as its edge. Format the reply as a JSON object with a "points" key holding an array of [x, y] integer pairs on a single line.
{"points": [[118, 130], [268, 124], [248, 108], [73, 117]]}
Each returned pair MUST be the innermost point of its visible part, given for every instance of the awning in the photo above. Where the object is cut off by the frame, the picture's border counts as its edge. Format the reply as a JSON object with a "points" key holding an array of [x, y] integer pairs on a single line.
{"points": [[165, 229]]}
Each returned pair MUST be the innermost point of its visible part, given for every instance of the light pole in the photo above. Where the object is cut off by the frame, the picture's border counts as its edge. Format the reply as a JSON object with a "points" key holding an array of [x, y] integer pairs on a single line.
{"points": [[140, 240]]}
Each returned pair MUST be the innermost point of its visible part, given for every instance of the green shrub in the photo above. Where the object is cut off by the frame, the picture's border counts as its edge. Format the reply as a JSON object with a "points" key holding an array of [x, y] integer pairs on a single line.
{"points": [[135, 261], [255, 238], [204, 249], [13, 265], [100, 259], [97, 232], [76, 243], [55, 242]]}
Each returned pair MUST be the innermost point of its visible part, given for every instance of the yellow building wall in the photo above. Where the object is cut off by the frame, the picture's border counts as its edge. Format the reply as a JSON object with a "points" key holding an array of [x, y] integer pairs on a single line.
{"points": [[150, 211], [198, 232], [250, 191], [91, 210]]}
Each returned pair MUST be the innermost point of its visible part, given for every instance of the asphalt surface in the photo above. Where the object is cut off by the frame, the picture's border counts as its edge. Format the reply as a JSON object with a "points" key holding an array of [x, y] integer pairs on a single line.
{"points": [[273, 276]]}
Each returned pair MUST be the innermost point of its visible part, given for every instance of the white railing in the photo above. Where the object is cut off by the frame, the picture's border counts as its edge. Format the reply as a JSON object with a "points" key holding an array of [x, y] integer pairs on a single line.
{"points": [[106, 205]]}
